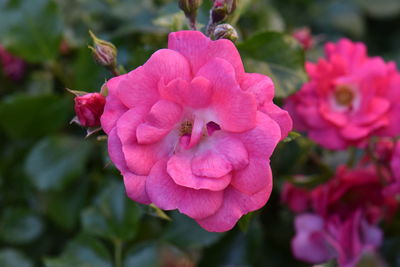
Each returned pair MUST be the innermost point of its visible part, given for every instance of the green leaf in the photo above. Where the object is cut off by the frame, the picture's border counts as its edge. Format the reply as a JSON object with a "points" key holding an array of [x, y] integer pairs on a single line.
{"points": [[54, 161], [381, 8], [33, 116], [20, 226], [82, 251], [13, 258], [31, 29], [66, 213], [277, 55], [113, 215], [244, 222], [143, 255], [181, 225]]}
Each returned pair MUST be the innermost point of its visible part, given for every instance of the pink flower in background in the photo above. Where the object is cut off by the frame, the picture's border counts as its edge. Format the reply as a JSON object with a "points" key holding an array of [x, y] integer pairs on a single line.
{"points": [[304, 37], [13, 67], [190, 130], [298, 199], [349, 97], [318, 240], [89, 108], [346, 211]]}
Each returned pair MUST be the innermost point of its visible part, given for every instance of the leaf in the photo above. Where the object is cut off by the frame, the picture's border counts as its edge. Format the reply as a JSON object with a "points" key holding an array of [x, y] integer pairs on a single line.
{"points": [[33, 116], [381, 8], [181, 225], [31, 29], [82, 251], [13, 258], [143, 255], [54, 161], [113, 215], [277, 55], [20, 226]]}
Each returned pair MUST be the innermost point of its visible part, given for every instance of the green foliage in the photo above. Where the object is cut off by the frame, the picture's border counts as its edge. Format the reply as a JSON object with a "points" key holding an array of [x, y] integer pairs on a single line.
{"points": [[277, 55], [55, 160], [31, 29], [113, 215]]}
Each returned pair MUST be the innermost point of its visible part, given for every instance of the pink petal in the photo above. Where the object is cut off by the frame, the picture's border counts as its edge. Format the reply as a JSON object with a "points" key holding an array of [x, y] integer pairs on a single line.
{"points": [[141, 158], [138, 88], [261, 141], [234, 206], [195, 94], [199, 49], [115, 151], [309, 244], [197, 132], [235, 109], [167, 195], [128, 122], [328, 138], [259, 85], [210, 164], [254, 178], [377, 107], [231, 148], [141, 86], [179, 168], [280, 116], [148, 134], [114, 107], [159, 121], [135, 187]]}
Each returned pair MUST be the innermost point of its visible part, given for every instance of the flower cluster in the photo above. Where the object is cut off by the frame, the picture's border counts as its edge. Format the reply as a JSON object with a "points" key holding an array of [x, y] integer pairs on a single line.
{"points": [[349, 98], [190, 130], [339, 219]]}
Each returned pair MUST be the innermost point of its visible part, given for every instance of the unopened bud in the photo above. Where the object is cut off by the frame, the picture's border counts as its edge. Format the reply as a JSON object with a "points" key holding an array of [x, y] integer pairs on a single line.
{"points": [[89, 108], [190, 7], [105, 53], [222, 9], [225, 31], [304, 37]]}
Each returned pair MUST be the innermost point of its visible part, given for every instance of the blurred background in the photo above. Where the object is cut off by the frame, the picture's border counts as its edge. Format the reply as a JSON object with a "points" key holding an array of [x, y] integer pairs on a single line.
{"points": [[63, 203]]}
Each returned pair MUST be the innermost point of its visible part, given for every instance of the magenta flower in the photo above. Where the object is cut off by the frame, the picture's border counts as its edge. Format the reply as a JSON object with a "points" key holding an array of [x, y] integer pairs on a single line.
{"points": [[89, 108], [298, 199], [190, 130], [318, 240], [349, 97], [13, 67], [342, 220]]}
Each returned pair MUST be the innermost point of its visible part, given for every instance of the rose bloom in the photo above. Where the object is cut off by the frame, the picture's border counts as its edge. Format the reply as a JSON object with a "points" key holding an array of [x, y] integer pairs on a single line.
{"points": [[190, 130], [349, 97], [89, 108], [346, 211]]}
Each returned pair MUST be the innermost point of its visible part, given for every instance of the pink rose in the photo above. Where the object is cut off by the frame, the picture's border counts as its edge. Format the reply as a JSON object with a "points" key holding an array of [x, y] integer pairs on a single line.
{"points": [[190, 130], [298, 199], [354, 189], [304, 37], [318, 240], [88, 109], [349, 97]]}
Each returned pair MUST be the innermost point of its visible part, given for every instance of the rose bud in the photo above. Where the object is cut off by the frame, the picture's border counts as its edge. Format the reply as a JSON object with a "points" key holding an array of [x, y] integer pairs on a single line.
{"points": [[105, 53], [221, 9], [88, 108], [225, 31]]}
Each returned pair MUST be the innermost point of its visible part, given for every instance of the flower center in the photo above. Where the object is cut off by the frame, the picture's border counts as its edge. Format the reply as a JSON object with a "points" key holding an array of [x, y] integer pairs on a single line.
{"points": [[186, 128], [344, 96]]}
